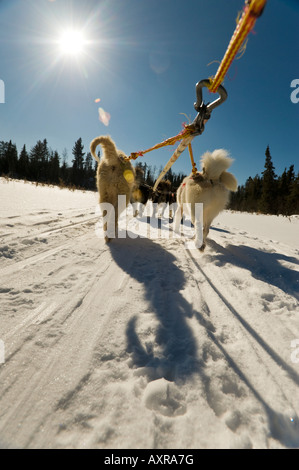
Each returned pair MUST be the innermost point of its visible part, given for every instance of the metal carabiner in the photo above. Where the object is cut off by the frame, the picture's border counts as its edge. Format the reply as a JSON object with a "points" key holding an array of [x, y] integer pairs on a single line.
{"points": [[204, 111], [206, 83]]}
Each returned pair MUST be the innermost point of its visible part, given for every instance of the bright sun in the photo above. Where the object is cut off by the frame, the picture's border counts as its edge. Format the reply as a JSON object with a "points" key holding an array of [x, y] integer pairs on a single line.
{"points": [[72, 42]]}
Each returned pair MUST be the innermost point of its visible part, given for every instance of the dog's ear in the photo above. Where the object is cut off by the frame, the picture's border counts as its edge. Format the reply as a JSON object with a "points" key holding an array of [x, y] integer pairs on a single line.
{"points": [[229, 181]]}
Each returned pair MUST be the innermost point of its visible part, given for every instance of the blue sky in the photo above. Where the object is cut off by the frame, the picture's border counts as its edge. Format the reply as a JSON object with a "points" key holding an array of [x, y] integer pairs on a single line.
{"points": [[142, 59]]}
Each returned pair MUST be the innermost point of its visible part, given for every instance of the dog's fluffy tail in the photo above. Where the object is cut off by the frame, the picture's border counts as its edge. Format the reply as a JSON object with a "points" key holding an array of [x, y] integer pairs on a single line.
{"points": [[110, 151], [214, 166]]}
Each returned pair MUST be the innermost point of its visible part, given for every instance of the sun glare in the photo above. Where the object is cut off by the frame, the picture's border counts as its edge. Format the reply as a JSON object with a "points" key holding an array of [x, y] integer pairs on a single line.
{"points": [[72, 43]]}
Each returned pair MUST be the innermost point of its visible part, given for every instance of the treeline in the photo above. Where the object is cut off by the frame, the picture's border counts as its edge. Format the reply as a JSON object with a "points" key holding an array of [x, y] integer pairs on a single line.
{"points": [[150, 174], [269, 193], [42, 164]]}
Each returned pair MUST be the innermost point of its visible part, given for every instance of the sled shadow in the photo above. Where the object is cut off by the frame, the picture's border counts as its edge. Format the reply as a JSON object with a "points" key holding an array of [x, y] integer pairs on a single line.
{"points": [[154, 268]]}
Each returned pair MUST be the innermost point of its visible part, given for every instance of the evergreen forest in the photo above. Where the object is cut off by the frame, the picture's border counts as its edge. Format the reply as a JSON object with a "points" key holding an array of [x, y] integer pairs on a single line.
{"points": [[267, 193]]}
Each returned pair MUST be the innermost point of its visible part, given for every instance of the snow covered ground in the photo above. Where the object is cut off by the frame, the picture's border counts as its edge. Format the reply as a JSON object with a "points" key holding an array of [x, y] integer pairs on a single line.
{"points": [[142, 343]]}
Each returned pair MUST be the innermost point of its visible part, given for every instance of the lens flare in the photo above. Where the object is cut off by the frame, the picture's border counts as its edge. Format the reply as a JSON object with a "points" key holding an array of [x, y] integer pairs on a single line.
{"points": [[128, 175], [104, 117]]}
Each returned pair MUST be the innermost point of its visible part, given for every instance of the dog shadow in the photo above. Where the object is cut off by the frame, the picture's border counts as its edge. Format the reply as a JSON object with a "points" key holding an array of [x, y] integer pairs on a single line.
{"points": [[282, 427], [162, 280], [176, 357], [264, 266]]}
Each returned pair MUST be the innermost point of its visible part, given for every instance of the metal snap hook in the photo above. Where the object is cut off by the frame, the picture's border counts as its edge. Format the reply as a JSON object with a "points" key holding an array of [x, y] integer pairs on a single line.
{"points": [[199, 102], [204, 110]]}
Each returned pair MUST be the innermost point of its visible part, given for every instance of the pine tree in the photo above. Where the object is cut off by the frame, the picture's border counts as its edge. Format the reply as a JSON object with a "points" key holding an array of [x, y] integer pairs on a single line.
{"points": [[23, 164], [150, 175], [88, 164], [78, 163], [293, 198], [89, 171], [283, 192], [38, 158], [54, 168], [285, 183], [169, 175], [252, 194], [11, 157], [3, 158], [45, 161], [268, 201], [177, 180], [64, 171]]}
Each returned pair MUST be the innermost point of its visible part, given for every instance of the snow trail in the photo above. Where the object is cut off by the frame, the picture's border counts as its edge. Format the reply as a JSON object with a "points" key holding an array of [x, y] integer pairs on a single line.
{"points": [[143, 343]]}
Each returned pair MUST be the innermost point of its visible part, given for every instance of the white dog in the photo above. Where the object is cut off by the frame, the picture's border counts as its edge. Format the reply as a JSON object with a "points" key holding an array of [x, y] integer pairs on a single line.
{"points": [[211, 187], [115, 177]]}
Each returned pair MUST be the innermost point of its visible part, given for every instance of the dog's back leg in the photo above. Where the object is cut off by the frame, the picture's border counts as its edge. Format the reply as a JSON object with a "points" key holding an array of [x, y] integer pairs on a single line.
{"points": [[155, 209], [197, 220], [206, 229], [110, 215], [163, 208]]}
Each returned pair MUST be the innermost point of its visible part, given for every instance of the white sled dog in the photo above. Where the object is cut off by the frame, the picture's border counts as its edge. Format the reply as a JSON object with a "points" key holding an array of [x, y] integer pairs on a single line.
{"points": [[115, 177], [211, 187]]}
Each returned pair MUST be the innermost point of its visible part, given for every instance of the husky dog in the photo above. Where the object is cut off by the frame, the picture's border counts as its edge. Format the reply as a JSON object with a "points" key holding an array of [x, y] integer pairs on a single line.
{"points": [[211, 187], [115, 177], [142, 193], [162, 197]]}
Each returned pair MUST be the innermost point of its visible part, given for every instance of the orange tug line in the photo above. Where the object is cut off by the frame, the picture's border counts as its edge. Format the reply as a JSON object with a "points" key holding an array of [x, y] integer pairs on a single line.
{"points": [[252, 11]]}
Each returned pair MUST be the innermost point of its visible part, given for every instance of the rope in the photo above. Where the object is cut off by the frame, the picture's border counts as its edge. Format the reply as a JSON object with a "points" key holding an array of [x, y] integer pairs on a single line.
{"points": [[171, 141], [185, 143], [194, 169], [252, 11]]}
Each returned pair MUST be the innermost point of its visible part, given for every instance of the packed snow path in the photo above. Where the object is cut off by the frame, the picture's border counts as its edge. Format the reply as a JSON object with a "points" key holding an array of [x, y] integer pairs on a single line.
{"points": [[143, 343]]}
